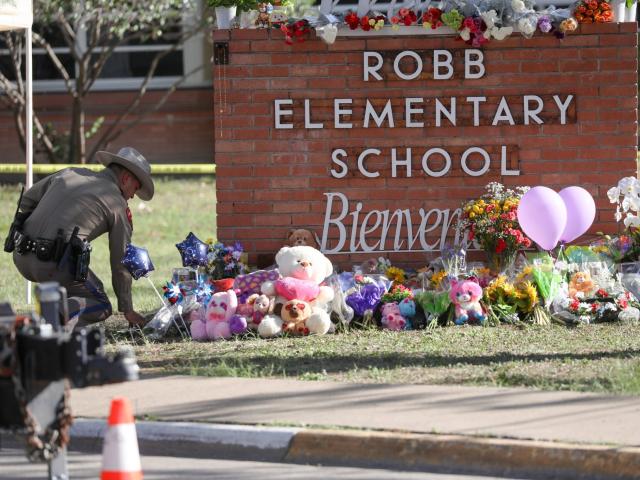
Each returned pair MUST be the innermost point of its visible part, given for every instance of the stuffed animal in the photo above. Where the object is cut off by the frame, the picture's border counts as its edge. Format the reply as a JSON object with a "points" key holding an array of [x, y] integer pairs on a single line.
{"points": [[301, 236], [260, 306], [466, 295], [581, 285], [295, 314], [391, 317], [221, 307], [238, 324], [303, 269], [264, 15], [408, 311]]}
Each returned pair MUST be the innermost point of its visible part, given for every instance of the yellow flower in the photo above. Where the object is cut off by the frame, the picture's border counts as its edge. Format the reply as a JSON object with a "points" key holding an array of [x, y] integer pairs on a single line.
{"points": [[436, 278], [396, 274]]}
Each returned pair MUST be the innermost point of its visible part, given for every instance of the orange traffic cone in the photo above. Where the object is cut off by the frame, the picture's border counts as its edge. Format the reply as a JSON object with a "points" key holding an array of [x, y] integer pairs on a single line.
{"points": [[120, 455]]}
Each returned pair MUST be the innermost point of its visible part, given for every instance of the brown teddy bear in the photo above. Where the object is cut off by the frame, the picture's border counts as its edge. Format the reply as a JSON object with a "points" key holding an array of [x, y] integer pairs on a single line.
{"points": [[294, 315], [581, 285], [301, 236]]}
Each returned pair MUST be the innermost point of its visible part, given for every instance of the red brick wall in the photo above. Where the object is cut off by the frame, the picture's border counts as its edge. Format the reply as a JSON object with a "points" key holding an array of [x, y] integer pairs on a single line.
{"points": [[270, 180], [180, 132]]}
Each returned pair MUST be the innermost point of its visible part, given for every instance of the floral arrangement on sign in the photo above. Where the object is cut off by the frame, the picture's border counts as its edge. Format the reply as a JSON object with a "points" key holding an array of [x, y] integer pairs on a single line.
{"points": [[491, 222], [475, 22], [594, 11]]}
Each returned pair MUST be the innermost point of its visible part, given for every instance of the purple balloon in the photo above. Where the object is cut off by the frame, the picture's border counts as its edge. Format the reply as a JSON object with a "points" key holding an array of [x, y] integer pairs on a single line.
{"points": [[581, 211], [542, 216]]}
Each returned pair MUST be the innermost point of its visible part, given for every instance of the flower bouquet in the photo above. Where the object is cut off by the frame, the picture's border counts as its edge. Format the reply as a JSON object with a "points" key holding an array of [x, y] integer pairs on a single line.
{"points": [[434, 304], [547, 280], [491, 222], [224, 263], [507, 300]]}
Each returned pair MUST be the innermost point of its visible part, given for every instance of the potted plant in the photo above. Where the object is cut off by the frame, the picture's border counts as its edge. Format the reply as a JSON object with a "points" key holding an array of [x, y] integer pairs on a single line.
{"points": [[226, 10]]}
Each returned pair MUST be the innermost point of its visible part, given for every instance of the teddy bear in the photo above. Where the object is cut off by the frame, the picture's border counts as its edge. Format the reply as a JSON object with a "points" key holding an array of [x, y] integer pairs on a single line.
{"points": [[302, 236], [216, 323], [466, 295], [256, 308], [302, 269], [581, 285], [391, 317], [264, 15], [408, 311], [294, 315]]}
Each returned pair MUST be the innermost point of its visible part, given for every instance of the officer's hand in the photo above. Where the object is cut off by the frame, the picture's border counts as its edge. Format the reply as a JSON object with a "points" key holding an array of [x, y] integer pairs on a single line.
{"points": [[134, 318]]}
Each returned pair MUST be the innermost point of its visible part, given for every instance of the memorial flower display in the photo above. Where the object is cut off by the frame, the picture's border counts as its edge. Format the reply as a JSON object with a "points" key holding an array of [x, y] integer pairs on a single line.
{"points": [[491, 222]]}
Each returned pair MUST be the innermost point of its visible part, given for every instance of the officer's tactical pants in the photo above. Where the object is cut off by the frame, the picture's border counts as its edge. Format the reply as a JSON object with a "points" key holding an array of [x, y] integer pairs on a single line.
{"points": [[88, 303]]}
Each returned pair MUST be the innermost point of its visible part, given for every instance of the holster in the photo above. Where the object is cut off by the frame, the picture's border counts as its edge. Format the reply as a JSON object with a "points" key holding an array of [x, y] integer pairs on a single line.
{"points": [[81, 250]]}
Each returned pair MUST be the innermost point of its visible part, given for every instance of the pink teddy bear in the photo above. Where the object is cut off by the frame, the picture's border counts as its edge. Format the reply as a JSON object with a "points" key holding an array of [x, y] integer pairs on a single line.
{"points": [[391, 317], [216, 324], [466, 296]]}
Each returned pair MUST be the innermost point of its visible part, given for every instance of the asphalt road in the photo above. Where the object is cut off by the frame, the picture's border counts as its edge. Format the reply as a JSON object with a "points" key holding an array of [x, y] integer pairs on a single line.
{"points": [[82, 466]]}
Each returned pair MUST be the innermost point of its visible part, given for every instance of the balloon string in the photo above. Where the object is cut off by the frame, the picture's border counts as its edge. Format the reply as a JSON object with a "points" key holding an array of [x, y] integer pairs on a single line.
{"points": [[157, 292]]}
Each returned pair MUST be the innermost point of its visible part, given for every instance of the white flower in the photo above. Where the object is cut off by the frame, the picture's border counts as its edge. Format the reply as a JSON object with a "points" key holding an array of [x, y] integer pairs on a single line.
{"points": [[465, 34], [526, 26], [613, 193], [501, 33], [489, 18], [518, 6], [631, 221]]}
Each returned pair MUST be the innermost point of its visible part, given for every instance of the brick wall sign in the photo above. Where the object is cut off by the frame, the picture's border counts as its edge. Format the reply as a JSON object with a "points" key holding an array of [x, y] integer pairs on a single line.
{"points": [[374, 142]]}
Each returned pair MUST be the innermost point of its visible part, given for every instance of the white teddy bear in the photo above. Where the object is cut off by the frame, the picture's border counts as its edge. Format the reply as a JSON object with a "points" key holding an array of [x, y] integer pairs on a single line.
{"points": [[302, 270]]}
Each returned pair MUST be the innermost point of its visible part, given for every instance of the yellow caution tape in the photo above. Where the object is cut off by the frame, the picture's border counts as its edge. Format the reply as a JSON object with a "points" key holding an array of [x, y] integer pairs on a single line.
{"points": [[158, 169]]}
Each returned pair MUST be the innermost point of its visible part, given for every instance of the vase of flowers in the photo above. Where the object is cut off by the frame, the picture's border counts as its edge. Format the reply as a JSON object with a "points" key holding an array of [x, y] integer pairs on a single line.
{"points": [[224, 264], [492, 224]]}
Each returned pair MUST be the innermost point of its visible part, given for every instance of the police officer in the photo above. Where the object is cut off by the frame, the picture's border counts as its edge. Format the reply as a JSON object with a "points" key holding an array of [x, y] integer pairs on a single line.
{"points": [[93, 203]]}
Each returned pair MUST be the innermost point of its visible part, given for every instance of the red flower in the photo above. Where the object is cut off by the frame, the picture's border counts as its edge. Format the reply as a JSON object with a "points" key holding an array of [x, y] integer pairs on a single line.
{"points": [[352, 20], [501, 245], [364, 23]]}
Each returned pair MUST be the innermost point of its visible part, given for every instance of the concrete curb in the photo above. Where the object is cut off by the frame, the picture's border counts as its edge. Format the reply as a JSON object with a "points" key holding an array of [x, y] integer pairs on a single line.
{"points": [[193, 440], [401, 451]]}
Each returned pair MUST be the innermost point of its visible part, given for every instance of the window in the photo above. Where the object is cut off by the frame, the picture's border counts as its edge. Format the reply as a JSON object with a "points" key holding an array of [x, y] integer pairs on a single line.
{"points": [[125, 69]]}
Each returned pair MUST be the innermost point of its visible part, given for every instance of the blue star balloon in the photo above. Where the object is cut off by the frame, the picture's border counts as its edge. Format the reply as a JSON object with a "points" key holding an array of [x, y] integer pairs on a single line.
{"points": [[193, 251], [137, 261]]}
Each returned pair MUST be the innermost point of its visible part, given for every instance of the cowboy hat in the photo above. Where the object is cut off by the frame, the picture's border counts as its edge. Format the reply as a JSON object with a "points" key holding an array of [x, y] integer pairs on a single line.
{"points": [[133, 161]]}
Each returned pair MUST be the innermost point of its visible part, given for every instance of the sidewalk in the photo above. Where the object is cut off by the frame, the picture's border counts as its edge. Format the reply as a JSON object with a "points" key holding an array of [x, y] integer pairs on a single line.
{"points": [[510, 427]]}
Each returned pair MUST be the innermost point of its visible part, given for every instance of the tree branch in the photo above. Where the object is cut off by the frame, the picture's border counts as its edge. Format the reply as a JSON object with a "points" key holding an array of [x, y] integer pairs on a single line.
{"points": [[56, 61], [109, 137]]}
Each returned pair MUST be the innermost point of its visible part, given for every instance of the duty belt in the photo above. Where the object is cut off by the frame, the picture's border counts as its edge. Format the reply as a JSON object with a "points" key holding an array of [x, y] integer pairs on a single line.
{"points": [[46, 250]]}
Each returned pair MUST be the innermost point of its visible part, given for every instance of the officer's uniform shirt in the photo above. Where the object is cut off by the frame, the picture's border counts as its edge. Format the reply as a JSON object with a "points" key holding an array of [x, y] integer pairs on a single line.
{"points": [[91, 201]]}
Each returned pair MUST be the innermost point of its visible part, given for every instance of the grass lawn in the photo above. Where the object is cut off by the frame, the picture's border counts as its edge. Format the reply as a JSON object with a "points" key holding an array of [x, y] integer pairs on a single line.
{"points": [[178, 207], [601, 358]]}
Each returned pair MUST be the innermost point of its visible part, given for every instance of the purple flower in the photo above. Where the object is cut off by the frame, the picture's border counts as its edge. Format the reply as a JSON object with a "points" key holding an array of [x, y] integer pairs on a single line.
{"points": [[367, 298], [544, 24]]}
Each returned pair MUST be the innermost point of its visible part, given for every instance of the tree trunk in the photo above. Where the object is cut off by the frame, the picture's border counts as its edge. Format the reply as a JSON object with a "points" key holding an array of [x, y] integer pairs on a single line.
{"points": [[77, 147]]}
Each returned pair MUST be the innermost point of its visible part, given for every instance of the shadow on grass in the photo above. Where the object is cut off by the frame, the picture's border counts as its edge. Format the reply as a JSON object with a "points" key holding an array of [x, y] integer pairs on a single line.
{"points": [[268, 365]]}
